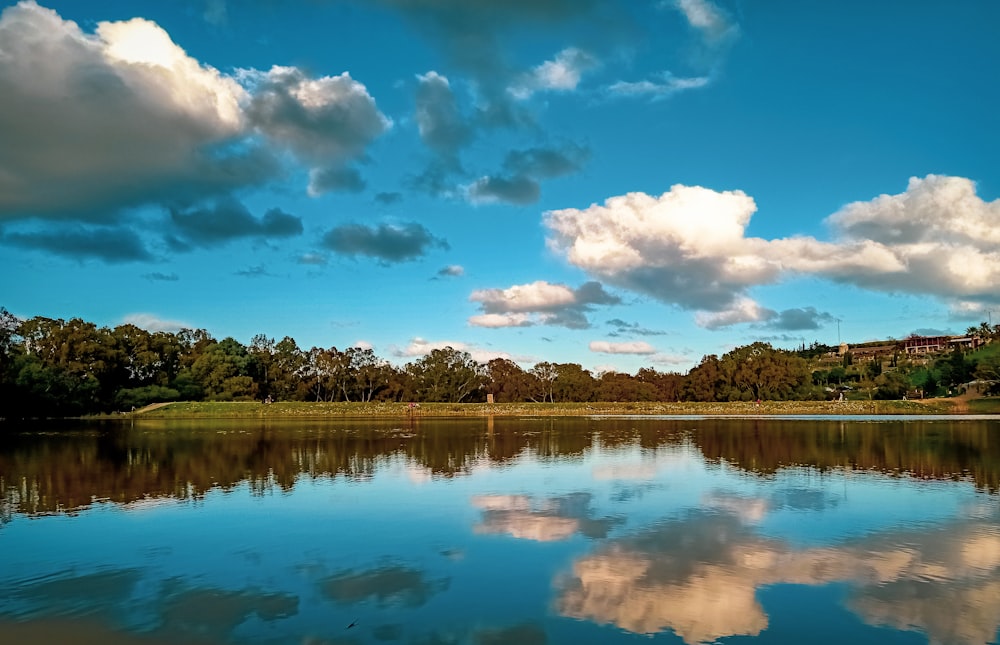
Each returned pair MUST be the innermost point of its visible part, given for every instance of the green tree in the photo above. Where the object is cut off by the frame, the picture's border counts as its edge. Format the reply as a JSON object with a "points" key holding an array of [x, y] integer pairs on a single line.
{"points": [[666, 386], [891, 385], [446, 375], [706, 381], [222, 371], [621, 387], [573, 383], [508, 382], [544, 374]]}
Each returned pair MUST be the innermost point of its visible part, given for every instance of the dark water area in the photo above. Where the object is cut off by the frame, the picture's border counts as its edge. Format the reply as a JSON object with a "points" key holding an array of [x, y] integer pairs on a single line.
{"points": [[507, 530]]}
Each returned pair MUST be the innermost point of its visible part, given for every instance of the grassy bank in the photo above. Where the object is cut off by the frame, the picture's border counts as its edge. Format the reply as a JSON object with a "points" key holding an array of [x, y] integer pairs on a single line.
{"points": [[293, 409]]}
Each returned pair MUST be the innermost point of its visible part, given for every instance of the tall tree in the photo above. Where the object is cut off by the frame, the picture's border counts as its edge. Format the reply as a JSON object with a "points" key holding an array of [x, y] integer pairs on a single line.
{"points": [[447, 375], [507, 382]]}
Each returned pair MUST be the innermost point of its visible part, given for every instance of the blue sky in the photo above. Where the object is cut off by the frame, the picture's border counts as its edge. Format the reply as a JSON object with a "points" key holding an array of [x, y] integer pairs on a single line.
{"points": [[616, 184]]}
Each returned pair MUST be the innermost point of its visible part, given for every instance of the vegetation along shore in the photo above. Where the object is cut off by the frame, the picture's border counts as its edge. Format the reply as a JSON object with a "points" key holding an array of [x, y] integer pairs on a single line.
{"points": [[70, 368], [305, 410]]}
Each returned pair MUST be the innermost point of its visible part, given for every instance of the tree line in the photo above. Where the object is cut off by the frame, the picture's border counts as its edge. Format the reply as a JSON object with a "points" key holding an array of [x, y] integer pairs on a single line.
{"points": [[53, 367]]}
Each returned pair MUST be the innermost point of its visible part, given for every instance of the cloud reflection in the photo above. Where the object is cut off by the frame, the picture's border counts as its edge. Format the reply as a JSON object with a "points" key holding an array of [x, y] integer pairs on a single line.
{"points": [[699, 577], [388, 585], [549, 520]]}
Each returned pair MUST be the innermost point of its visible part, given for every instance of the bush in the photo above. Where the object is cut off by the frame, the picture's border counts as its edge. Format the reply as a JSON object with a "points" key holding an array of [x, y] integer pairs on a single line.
{"points": [[141, 396]]}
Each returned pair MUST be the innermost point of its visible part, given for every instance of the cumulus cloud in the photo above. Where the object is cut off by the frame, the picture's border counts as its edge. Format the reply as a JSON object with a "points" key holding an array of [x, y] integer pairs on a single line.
{"points": [[420, 347], [519, 190], [109, 244], [744, 310], [471, 35], [707, 18], [227, 220], [633, 347], [688, 247], [562, 73], [387, 198], [539, 303], [451, 271], [439, 120], [117, 118], [324, 180], [519, 182], [326, 121], [677, 247], [387, 243], [154, 323], [800, 318], [97, 123]]}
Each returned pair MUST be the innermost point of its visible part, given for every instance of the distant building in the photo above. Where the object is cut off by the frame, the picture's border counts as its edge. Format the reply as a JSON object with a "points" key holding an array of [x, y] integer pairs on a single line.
{"points": [[934, 344]]}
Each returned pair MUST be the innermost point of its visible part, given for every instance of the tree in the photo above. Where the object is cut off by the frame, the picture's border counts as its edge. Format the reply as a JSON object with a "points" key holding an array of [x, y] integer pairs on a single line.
{"points": [[508, 382], [573, 383], [222, 371], [765, 372], [620, 387], [261, 352], [666, 386], [367, 373], [891, 385], [446, 375], [705, 382], [544, 374]]}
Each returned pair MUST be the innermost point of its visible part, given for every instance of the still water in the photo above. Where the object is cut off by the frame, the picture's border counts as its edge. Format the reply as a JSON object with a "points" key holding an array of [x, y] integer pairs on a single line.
{"points": [[523, 531]]}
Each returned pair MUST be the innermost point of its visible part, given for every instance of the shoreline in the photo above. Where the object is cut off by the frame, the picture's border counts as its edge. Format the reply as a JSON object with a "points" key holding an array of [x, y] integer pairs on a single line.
{"points": [[303, 410]]}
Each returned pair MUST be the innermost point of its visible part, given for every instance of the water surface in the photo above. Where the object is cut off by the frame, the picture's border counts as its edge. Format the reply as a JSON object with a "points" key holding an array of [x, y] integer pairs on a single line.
{"points": [[532, 530]]}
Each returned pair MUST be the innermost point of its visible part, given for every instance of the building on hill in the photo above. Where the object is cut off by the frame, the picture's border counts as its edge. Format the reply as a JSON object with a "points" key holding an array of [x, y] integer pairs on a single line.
{"points": [[934, 344], [912, 346]]}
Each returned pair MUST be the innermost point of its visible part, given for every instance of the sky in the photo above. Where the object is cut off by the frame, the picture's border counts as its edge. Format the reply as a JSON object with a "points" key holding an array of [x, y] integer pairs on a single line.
{"points": [[615, 184]]}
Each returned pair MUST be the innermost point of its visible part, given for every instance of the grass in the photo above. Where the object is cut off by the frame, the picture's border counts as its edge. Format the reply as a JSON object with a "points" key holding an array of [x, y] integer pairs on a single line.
{"points": [[990, 405], [296, 409]]}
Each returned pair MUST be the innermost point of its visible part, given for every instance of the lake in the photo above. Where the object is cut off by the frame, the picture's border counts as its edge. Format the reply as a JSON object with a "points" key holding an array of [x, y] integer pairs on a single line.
{"points": [[510, 530]]}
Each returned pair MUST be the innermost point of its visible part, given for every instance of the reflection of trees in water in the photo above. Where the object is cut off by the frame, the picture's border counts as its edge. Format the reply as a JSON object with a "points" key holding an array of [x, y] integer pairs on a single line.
{"points": [[942, 449], [70, 469]]}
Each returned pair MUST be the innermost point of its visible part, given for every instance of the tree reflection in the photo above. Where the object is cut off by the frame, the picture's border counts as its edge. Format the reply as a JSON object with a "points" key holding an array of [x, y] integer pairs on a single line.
{"points": [[46, 472]]}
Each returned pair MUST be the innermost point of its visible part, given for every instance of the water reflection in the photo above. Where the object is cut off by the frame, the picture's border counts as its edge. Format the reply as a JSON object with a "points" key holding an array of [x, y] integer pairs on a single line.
{"points": [[700, 576], [555, 518], [523, 531]]}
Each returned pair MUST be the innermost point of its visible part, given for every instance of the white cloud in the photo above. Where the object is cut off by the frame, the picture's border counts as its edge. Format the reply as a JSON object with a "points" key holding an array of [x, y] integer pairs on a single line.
{"points": [[152, 322], [539, 302], [90, 120], [326, 121], [631, 347], [501, 320], [702, 14], [670, 360], [685, 246], [688, 247], [743, 310], [537, 296], [664, 86], [420, 347], [562, 74], [97, 123], [363, 344]]}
